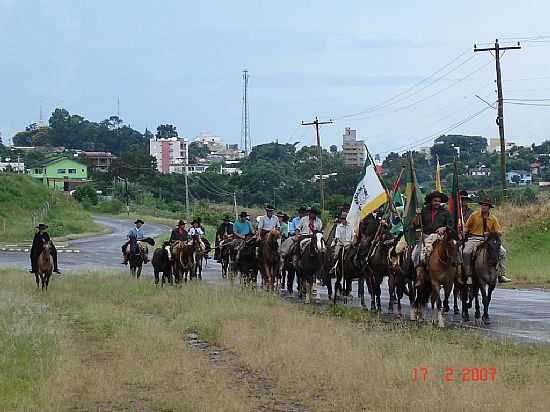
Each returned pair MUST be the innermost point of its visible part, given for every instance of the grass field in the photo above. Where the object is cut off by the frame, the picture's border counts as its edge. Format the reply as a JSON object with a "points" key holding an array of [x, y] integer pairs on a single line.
{"points": [[20, 197], [105, 342]]}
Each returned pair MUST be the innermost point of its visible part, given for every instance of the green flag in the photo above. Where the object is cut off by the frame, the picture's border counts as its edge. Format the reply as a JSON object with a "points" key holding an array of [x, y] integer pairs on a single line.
{"points": [[455, 208], [413, 202]]}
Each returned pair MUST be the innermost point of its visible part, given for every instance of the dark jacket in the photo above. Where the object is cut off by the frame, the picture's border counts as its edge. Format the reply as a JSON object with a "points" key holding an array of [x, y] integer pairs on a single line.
{"points": [[37, 243], [224, 229], [176, 235], [442, 218]]}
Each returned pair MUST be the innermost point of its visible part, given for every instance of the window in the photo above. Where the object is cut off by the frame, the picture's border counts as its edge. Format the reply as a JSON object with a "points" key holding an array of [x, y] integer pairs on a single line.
{"points": [[72, 171], [61, 171], [37, 171]]}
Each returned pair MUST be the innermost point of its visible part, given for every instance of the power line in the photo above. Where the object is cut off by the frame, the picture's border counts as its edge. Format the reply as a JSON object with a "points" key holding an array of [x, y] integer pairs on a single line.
{"points": [[527, 104], [215, 187]]}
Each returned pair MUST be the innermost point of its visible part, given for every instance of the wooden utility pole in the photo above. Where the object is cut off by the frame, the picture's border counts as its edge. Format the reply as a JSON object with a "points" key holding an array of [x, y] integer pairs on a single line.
{"points": [[316, 123], [500, 109]]}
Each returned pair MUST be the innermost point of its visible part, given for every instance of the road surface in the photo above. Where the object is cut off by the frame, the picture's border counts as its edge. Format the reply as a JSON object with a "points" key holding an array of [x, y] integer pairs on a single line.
{"points": [[518, 313]]}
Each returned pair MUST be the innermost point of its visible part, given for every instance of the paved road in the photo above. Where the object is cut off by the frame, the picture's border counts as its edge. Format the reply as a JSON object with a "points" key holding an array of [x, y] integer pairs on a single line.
{"points": [[518, 313]]}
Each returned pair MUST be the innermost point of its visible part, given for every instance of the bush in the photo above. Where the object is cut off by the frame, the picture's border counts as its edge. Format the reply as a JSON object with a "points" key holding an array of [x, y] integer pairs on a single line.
{"points": [[113, 206], [86, 194]]}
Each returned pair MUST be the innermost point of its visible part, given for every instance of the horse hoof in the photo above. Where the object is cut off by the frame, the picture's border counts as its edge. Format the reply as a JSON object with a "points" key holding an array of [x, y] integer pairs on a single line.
{"points": [[446, 309], [477, 315], [456, 311]]}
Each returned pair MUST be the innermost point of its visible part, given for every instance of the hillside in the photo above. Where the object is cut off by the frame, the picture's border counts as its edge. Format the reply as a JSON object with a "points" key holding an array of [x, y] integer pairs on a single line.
{"points": [[21, 198]]}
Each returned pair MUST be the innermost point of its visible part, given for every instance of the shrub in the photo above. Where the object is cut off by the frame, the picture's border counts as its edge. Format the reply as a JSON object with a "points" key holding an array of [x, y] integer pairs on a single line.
{"points": [[113, 206], [86, 193]]}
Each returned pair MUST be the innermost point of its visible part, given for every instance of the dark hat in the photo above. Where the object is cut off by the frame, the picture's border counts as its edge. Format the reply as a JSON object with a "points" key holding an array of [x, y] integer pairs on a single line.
{"points": [[302, 209], [269, 208], [139, 221], [195, 221], [42, 226], [227, 217], [464, 193], [312, 210], [486, 202], [444, 198], [181, 222], [243, 214], [279, 213], [198, 220]]}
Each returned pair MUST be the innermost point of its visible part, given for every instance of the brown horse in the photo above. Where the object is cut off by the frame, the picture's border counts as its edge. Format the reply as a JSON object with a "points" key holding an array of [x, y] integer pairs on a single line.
{"points": [[311, 263], [44, 266], [401, 278], [184, 260], [270, 258], [442, 268]]}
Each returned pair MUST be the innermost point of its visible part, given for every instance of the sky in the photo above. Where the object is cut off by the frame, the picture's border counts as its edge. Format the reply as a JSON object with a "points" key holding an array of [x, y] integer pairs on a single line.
{"points": [[181, 62]]}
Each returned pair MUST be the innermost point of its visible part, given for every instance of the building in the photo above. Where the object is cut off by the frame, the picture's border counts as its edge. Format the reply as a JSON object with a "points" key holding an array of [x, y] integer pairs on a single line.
{"points": [[171, 154], [100, 161], [427, 151], [212, 142], [353, 150], [480, 171], [535, 167], [61, 173], [494, 145], [11, 165], [521, 177]]}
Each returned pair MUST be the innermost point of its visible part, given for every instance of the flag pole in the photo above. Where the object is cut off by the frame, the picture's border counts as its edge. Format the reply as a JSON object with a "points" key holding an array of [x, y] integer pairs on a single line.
{"points": [[390, 200]]}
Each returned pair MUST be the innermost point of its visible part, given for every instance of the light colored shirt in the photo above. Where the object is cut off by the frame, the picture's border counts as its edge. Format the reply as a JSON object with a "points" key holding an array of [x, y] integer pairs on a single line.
{"points": [[137, 233], [268, 223], [344, 233], [195, 231], [242, 229], [293, 225], [284, 229], [304, 226]]}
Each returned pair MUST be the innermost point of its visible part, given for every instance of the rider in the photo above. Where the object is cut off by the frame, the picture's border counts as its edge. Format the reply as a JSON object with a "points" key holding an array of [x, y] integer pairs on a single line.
{"points": [[466, 210], [40, 237], [196, 233], [283, 219], [242, 228], [310, 224], [267, 222], [204, 240], [179, 233], [137, 233], [343, 236], [478, 226], [224, 230], [293, 225], [434, 221]]}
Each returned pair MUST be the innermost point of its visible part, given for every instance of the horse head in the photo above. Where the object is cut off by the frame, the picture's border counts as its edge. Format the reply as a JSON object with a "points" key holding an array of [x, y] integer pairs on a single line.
{"points": [[493, 244], [320, 243], [450, 249]]}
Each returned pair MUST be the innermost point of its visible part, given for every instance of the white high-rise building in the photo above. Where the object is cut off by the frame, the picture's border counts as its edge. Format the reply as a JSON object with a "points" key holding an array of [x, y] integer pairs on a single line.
{"points": [[172, 154], [353, 150]]}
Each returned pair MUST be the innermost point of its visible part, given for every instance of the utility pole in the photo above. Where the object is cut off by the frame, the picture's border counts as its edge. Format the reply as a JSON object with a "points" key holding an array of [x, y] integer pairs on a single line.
{"points": [[187, 215], [316, 123], [235, 204], [127, 197], [500, 109], [246, 144]]}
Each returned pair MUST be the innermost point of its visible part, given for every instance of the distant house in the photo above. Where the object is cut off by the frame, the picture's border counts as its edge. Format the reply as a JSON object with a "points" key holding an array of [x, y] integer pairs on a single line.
{"points": [[61, 173], [535, 167], [480, 171], [521, 177], [101, 161], [11, 165]]}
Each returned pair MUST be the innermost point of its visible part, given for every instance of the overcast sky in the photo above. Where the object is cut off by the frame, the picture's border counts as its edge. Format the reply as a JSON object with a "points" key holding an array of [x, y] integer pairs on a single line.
{"points": [[181, 62]]}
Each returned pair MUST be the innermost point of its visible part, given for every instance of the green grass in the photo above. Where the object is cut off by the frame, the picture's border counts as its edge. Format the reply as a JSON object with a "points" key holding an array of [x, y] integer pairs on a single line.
{"points": [[529, 254], [21, 197]]}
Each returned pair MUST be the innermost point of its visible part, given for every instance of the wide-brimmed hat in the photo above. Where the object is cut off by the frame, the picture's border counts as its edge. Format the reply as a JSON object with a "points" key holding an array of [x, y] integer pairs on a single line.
{"points": [[301, 209], [243, 214], [182, 222], [139, 221], [486, 202], [269, 208], [227, 217], [464, 194], [444, 198], [279, 213], [42, 226]]}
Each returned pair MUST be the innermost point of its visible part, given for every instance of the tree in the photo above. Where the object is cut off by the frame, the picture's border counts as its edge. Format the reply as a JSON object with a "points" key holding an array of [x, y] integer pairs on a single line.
{"points": [[333, 148], [197, 151], [166, 131], [86, 194]]}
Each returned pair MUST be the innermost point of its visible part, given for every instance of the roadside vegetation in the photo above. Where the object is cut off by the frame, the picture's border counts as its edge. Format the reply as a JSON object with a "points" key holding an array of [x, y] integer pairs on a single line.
{"points": [[20, 198], [112, 343]]}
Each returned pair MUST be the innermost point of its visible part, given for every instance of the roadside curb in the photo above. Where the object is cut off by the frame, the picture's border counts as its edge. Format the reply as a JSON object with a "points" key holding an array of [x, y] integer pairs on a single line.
{"points": [[20, 249]]}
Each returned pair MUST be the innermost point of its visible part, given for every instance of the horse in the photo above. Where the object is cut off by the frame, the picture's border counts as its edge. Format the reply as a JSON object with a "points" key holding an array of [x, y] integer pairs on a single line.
{"points": [[162, 262], [184, 260], [226, 249], [44, 266], [377, 268], [270, 258], [137, 254], [310, 263], [442, 268], [288, 271], [199, 254], [246, 263], [348, 268], [485, 274], [401, 278]]}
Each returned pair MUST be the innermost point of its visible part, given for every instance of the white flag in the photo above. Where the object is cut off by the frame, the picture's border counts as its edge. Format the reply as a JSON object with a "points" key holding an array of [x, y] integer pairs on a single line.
{"points": [[369, 196]]}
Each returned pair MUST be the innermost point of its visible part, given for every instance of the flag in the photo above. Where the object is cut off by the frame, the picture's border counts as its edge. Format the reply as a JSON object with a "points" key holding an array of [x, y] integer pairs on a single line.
{"points": [[413, 202], [438, 176], [369, 196], [455, 206]]}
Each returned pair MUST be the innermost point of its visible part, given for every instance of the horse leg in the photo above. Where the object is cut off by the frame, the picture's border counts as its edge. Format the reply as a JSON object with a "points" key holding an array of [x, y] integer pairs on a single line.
{"points": [[464, 301], [37, 276], [391, 291], [486, 295], [290, 280], [446, 307], [307, 291], [378, 296], [49, 274], [457, 289], [489, 294], [156, 273], [476, 298]]}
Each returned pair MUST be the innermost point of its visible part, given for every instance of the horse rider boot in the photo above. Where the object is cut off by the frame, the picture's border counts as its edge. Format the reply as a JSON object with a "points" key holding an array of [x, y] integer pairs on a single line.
{"points": [[479, 224], [40, 237], [136, 232]]}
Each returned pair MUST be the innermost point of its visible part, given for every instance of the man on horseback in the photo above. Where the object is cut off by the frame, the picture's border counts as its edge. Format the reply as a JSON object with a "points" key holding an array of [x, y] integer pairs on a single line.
{"points": [[466, 210], [179, 233], [293, 225], [136, 233], [434, 221], [343, 236], [267, 222], [476, 229], [242, 228], [40, 237], [196, 234], [224, 230]]}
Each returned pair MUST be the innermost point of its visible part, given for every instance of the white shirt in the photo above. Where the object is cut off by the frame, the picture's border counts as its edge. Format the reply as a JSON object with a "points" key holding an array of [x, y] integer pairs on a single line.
{"points": [[344, 233], [303, 227], [268, 223], [194, 231]]}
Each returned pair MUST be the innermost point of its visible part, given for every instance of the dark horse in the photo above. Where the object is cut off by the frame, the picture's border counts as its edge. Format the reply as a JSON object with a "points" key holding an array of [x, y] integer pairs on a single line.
{"points": [[311, 263], [378, 266], [485, 273], [348, 268], [162, 263], [137, 254], [226, 254], [184, 260], [442, 268], [401, 277], [44, 266], [246, 263]]}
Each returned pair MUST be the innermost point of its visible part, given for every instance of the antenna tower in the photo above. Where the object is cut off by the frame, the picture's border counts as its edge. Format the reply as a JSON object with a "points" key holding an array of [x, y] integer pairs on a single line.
{"points": [[246, 144]]}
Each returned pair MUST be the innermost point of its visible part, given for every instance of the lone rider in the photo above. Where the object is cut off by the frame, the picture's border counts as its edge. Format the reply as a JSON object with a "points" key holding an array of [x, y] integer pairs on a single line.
{"points": [[224, 230], [137, 233], [476, 229], [40, 237]]}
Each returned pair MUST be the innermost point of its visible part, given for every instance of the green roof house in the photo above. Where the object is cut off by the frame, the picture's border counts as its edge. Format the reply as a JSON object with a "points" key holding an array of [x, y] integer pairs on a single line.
{"points": [[61, 173]]}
